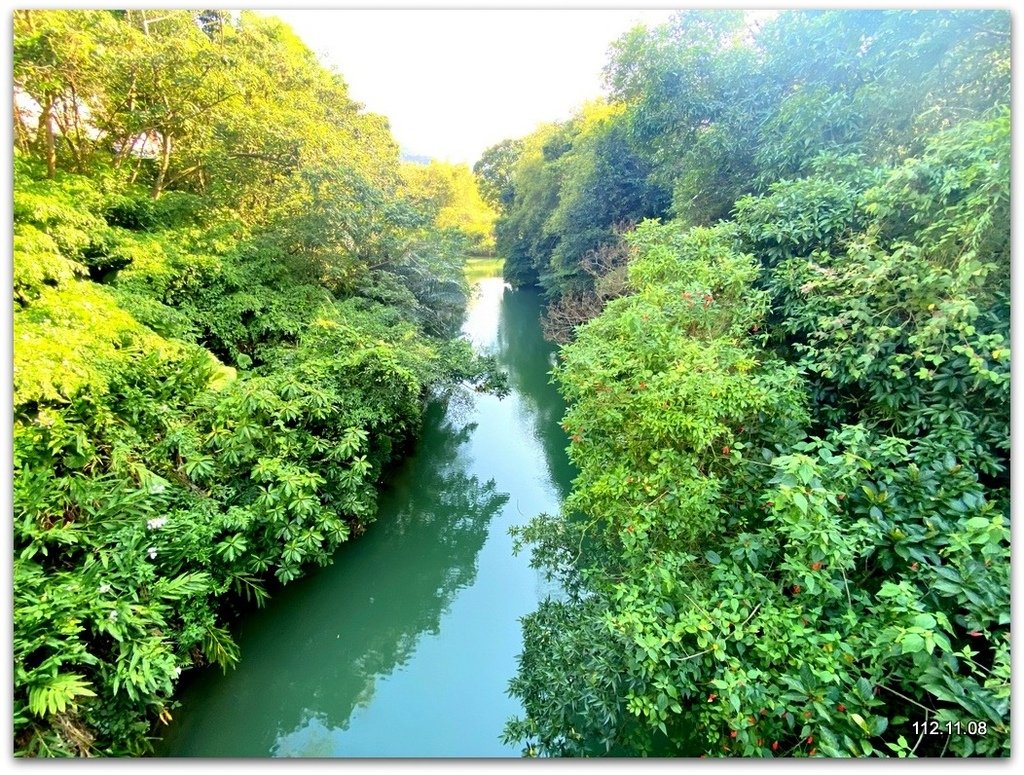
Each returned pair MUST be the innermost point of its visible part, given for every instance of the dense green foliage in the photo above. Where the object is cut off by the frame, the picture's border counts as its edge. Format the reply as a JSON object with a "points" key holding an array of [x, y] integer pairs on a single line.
{"points": [[451, 192], [551, 218], [706, 109], [789, 535], [219, 344]]}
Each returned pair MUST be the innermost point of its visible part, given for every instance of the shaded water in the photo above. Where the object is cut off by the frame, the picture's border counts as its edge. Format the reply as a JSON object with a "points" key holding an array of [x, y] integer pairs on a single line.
{"points": [[405, 645]]}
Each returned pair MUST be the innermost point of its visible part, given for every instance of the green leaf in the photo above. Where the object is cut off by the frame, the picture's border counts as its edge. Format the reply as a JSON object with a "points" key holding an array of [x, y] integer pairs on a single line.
{"points": [[58, 693], [925, 621], [912, 643], [800, 500]]}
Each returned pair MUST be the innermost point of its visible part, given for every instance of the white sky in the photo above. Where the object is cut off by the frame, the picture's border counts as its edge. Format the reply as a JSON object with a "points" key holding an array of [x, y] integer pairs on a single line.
{"points": [[454, 82]]}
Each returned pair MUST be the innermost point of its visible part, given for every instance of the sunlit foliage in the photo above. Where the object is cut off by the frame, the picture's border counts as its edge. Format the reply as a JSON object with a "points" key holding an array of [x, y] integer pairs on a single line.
{"points": [[228, 312]]}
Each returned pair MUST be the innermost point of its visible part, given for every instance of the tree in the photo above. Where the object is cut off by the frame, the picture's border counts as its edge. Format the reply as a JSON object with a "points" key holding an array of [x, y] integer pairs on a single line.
{"points": [[600, 160], [494, 171], [451, 192], [60, 61], [694, 96], [522, 237]]}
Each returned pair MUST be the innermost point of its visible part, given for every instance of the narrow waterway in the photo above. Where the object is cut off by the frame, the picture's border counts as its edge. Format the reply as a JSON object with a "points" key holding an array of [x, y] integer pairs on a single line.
{"points": [[405, 645]]}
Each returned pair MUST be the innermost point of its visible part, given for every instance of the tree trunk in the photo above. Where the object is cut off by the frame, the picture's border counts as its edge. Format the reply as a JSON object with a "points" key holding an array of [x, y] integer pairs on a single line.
{"points": [[49, 141], [122, 154], [135, 172], [165, 162]]}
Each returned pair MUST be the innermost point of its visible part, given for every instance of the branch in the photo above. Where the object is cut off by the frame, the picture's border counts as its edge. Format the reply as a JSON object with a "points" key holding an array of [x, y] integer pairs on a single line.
{"points": [[905, 697], [920, 737]]}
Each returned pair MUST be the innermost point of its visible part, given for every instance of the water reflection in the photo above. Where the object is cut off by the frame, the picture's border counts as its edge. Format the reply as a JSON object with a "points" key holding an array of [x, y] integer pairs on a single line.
{"points": [[529, 358]]}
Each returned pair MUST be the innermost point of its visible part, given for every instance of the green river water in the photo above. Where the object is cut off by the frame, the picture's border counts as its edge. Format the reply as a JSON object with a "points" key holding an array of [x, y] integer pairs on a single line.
{"points": [[405, 645]]}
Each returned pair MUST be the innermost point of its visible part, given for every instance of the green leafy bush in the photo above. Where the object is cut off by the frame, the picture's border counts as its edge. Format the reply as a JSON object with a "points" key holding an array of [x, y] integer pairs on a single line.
{"points": [[789, 535]]}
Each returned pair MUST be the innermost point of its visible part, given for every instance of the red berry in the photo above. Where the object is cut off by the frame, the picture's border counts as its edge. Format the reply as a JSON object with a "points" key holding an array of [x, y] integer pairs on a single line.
{"points": [[733, 733], [775, 746], [725, 451], [841, 708]]}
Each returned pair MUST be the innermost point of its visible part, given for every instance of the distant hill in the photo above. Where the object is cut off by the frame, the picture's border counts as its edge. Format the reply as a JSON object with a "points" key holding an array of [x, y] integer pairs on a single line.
{"points": [[415, 158]]}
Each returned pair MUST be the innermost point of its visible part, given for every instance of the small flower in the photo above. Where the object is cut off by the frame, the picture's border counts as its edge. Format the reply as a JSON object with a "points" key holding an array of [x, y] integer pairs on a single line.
{"points": [[177, 672], [156, 523], [113, 616], [151, 551], [104, 589]]}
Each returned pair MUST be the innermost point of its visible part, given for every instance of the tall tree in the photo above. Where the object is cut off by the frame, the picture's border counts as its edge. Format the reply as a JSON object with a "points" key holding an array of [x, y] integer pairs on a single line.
{"points": [[495, 169]]}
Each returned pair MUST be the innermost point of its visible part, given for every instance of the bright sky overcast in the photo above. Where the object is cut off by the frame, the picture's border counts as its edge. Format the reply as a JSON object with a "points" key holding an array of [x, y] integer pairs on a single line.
{"points": [[454, 82]]}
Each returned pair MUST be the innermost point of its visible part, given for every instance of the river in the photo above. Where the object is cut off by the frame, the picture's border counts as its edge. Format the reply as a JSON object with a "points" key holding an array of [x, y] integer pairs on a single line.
{"points": [[404, 646]]}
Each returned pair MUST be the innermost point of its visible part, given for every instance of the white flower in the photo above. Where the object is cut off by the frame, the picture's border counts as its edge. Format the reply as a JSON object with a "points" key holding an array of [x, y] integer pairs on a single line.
{"points": [[151, 551], [177, 672], [156, 523], [113, 616], [104, 588]]}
